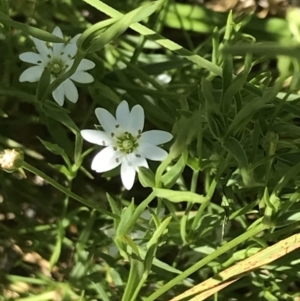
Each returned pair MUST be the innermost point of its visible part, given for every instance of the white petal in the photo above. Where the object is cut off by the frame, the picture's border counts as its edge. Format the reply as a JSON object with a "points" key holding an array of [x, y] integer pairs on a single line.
{"points": [[136, 120], [31, 57], [106, 159], [57, 49], [75, 38], [59, 94], [97, 137], [68, 62], [42, 48], [127, 174], [107, 120], [137, 160], [32, 74], [152, 152], [85, 64], [71, 91], [155, 137], [123, 114], [57, 31], [82, 77], [71, 48]]}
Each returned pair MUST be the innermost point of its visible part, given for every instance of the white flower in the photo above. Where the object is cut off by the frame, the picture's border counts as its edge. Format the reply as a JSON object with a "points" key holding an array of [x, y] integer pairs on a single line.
{"points": [[59, 59], [124, 142]]}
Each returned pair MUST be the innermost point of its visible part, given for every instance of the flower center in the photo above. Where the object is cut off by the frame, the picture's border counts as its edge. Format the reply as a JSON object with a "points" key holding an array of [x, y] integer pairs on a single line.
{"points": [[127, 143], [56, 67]]}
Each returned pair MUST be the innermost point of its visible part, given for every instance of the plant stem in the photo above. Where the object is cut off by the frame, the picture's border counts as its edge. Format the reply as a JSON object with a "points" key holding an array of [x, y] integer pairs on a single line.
{"points": [[223, 249], [65, 190]]}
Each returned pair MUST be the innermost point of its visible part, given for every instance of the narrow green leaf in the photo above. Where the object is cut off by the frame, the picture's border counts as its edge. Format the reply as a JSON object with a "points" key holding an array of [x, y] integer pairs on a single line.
{"points": [[207, 91], [179, 196], [59, 115], [234, 147], [158, 263], [32, 31], [236, 85], [125, 221], [146, 177], [216, 123], [63, 169], [150, 255], [159, 232], [101, 291], [120, 26], [57, 249], [172, 175], [43, 84], [56, 149], [185, 130], [135, 274]]}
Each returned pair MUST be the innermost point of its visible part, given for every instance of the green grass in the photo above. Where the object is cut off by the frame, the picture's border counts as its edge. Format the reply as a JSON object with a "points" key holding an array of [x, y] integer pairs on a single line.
{"points": [[218, 218]]}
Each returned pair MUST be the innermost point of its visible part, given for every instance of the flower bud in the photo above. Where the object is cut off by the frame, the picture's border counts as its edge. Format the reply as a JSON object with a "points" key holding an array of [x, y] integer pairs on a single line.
{"points": [[11, 159]]}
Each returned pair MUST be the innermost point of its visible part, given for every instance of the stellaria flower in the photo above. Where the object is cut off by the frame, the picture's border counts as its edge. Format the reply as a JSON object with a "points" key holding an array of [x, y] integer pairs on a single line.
{"points": [[124, 142], [58, 58]]}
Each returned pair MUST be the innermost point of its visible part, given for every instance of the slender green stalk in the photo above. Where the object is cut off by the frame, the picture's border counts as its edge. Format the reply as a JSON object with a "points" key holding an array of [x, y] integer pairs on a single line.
{"points": [[168, 44], [79, 56], [161, 168], [66, 191], [223, 249], [203, 206], [194, 181]]}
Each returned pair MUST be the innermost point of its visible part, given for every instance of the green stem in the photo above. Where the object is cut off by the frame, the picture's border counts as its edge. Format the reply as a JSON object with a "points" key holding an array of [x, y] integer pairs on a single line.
{"points": [[20, 95], [168, 44], [203, 206], [161, 168], [66, 191], [223, 249], [194, 181]]}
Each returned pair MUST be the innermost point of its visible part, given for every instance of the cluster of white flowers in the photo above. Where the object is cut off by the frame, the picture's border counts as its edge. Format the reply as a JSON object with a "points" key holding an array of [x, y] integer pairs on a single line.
{"points": [[124, 142]]}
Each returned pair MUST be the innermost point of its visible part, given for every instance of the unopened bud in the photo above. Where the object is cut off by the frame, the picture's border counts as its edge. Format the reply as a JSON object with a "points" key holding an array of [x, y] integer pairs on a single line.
{"points": [[11, 159]]}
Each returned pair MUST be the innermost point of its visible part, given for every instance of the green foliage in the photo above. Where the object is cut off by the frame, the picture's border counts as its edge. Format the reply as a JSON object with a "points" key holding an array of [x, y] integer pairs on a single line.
{"points": [[225, 201]]}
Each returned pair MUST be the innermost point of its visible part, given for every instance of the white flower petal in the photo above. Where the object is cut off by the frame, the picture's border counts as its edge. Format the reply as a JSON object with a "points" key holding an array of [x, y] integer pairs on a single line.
{"points": [[59, 94], [106, 159], [85, 64], [137, 160], [136, 120], [71, 91], [127, 174], [82, 77], [97, 137], [42, 48], [123, 114], [107, 120], [31, 57], [57, 47], [152, 152], [75, 39], [155, 137], [32, 74], [70, 49], [57, 31]]}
